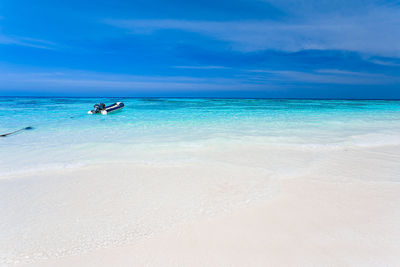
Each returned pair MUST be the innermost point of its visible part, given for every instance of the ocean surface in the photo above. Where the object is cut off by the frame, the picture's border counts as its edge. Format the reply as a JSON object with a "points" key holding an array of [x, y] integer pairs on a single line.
{"points": [[78, 182], [64, 134]]}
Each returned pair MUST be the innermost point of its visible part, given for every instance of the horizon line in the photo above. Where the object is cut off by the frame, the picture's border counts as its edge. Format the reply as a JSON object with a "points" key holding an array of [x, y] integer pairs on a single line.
{"points": [[211, 97]]}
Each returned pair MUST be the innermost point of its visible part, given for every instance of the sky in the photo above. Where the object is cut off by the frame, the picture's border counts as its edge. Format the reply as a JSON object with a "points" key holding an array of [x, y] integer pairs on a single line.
{"points": [[208, 48]]}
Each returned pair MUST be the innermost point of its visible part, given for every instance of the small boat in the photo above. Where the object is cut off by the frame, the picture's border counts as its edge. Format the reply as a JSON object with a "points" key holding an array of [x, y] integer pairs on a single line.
{"points": [[103, 109]]}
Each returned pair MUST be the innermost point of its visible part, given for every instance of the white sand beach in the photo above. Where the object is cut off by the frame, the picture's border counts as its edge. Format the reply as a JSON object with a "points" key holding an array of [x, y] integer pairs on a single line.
{"points": [[305, 207], [310, 224]]}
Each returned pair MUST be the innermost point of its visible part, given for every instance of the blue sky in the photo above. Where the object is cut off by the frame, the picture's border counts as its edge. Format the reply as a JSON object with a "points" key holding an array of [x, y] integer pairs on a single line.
{"points": [[252, 48]]}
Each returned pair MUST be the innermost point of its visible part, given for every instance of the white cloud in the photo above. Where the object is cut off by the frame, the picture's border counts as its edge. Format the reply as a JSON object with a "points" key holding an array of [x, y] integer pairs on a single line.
{"points": [[373, 30], [248, 80], [94, 81], [26, 41], [325, 76], [384, 62], [201, 67]]}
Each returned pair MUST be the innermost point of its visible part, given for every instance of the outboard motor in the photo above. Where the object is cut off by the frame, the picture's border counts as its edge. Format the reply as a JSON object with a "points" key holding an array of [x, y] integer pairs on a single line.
{"points": [[97, 108]]}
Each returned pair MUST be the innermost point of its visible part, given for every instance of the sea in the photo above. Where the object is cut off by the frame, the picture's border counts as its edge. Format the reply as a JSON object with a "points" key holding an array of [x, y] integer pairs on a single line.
{"points": [[64, 135]]}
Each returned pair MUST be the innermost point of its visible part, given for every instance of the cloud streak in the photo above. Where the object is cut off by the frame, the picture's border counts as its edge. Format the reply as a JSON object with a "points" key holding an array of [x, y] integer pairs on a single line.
{"points": [[201, 67], [26, 41], [92, 81], [251, 79], [325, 76], [372, 31]]}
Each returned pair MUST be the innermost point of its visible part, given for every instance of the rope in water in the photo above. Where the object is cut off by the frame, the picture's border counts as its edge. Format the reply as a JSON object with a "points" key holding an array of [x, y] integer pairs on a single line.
{"points": [[25, 128], [31, 128]]}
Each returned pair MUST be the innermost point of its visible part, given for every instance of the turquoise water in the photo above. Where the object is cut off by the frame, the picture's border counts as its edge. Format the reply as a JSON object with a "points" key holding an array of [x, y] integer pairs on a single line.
{"points": [[64, 134]]}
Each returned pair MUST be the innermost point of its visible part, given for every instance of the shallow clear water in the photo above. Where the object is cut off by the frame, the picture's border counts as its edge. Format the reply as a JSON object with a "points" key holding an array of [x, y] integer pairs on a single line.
{"points": [[64, 134]]}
